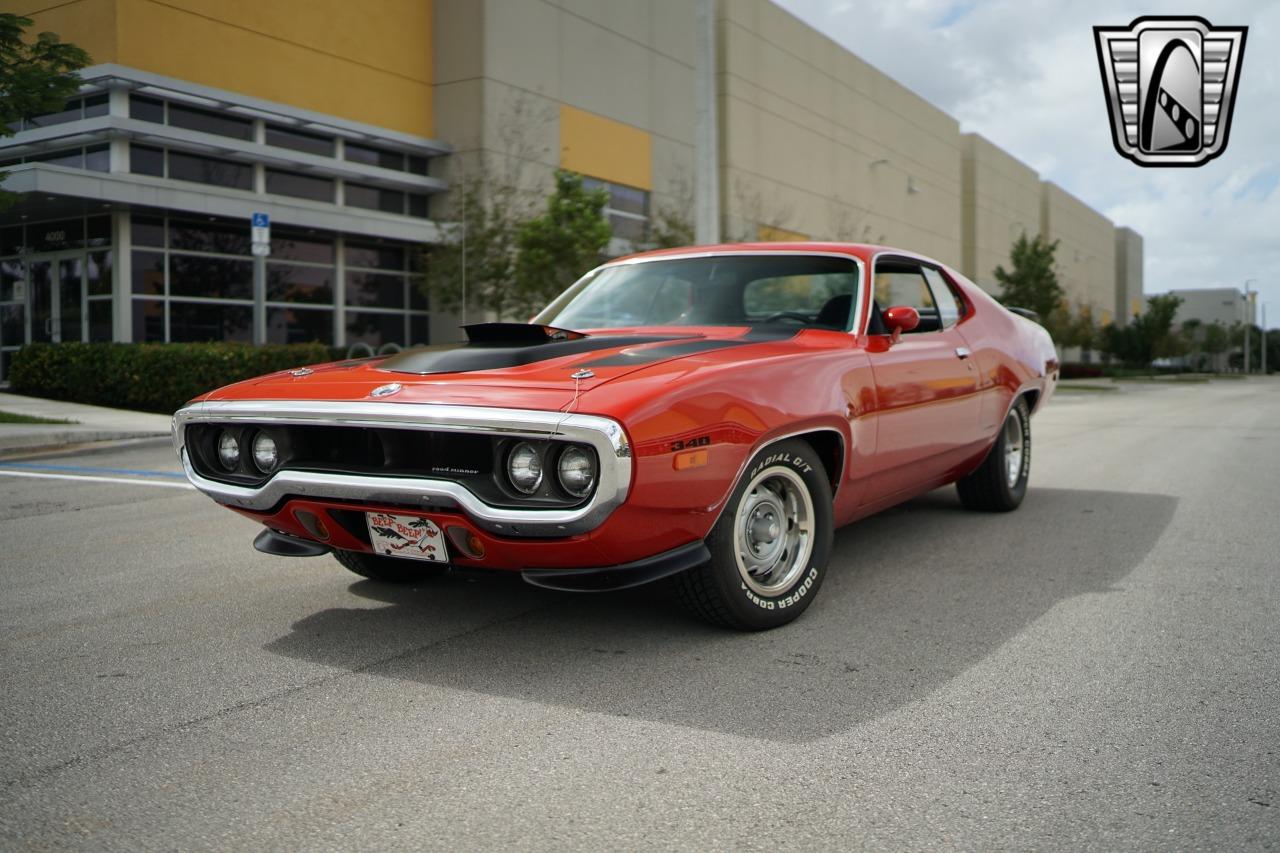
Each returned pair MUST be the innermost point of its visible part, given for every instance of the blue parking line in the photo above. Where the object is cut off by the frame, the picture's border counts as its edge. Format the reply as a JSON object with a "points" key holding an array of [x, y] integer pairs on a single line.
{"points": [[85, 469]]}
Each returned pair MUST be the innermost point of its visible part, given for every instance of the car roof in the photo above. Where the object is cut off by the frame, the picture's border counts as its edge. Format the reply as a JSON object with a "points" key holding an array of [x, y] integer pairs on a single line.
{"points": [[862, 251]]}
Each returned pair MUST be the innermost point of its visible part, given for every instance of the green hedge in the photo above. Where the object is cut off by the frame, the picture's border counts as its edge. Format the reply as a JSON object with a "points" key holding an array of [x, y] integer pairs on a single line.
{"points": [[148, 377]]}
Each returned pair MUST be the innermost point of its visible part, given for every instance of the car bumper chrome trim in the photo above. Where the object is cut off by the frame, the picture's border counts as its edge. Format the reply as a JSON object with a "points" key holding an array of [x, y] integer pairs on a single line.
{"points": [[604, 434]]}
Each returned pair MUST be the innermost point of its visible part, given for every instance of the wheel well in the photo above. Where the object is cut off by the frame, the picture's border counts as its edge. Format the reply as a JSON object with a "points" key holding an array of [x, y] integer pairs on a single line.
{"points": [[1033, 397], [829, 445]]}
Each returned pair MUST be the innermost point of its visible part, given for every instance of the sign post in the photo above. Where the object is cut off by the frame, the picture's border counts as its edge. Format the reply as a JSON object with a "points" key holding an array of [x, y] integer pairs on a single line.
{"points": [[260, 244]]}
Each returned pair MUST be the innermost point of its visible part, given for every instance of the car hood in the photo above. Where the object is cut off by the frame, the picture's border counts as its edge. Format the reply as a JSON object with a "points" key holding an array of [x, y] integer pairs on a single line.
{"points": [[500, 371]]}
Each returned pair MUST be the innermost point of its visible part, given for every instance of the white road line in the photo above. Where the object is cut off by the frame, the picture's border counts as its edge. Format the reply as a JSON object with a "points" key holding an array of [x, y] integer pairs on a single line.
{"points": [[132, 482]]}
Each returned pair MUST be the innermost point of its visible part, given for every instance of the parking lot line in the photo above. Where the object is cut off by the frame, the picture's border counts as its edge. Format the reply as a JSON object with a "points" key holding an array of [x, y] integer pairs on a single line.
{"points": [[88, 479]]}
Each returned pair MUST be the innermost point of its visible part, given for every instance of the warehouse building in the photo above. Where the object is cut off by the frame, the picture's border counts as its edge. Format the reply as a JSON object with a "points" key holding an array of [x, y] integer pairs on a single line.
{"points": [[347, 123]]}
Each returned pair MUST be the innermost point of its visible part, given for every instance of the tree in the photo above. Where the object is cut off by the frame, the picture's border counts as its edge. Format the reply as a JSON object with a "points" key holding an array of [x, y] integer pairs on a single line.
{"points": [[474, 269], [35, 77], [557, 247], [1149, 335], [1031, 281], [1214, 343], [671, 228]]}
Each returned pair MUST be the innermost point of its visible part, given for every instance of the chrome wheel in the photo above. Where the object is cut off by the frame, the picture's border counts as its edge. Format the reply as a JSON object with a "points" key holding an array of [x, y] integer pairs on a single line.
{"points": [[1013, 448], [773, 531]]}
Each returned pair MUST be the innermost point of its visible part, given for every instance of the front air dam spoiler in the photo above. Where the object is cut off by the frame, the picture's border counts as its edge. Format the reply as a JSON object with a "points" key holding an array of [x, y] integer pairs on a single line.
{"points": [[624, 576]]}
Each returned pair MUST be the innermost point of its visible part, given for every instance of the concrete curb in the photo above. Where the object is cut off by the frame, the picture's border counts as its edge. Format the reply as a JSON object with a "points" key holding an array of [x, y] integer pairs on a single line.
{"points": [[29, 441]]}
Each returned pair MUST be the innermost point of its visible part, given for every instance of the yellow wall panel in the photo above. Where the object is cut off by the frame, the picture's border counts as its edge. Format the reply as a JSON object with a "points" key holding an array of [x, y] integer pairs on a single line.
{"points": [[335, 58], [773, 234], [601, 148], [91, 24]]}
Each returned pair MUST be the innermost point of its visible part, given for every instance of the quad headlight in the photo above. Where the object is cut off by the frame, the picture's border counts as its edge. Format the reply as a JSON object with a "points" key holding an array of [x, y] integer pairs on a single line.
{"points": [[265, 454], [576, 471], [524, 468], [228, 450]]}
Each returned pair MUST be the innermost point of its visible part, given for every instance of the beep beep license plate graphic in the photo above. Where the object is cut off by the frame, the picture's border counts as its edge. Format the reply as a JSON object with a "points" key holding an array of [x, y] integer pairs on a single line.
{"points": [[406, 536]]}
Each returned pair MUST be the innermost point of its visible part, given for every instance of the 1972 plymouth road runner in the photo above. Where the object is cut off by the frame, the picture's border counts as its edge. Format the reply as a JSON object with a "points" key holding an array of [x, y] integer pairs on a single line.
{"points": [[708, 414]]}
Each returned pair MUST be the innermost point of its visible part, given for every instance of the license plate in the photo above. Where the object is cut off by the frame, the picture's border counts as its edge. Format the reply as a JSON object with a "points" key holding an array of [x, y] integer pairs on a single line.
{"points": [[409, 536]]}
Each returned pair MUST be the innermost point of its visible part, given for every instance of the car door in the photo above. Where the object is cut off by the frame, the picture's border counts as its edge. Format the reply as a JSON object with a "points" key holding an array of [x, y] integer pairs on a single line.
{"points": [[927, 402]]}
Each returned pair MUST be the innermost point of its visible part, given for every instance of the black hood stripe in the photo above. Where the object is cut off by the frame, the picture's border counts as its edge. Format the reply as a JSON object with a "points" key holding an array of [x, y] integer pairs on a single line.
{"points": [[675, 349], [495, 356], [517, 350]]}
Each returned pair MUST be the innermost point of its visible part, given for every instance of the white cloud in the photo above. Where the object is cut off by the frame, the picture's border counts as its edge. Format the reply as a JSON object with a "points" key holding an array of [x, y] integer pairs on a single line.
{"points": [[1025, 75]]}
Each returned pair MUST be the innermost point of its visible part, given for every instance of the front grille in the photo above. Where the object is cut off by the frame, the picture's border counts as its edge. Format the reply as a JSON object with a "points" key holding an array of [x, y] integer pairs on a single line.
{"points": [[475, 461]]}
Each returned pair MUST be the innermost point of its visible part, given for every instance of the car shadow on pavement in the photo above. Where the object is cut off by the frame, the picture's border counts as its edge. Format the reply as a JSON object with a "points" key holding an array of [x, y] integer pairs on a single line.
{"points": [[914, 597]]}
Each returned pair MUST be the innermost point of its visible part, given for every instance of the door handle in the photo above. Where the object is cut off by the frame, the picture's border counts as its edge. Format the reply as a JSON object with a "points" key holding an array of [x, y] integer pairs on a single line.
{"points": [[963, 352]]}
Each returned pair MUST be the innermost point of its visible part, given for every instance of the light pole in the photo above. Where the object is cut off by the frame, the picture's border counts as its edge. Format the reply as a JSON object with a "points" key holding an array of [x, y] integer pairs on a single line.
{"points": [[1248, 320], [1264, 339]]}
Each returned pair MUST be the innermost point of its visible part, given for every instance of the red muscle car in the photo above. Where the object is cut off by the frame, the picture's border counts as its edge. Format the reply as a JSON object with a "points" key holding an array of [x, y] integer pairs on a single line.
{"points": [[707, 414]]}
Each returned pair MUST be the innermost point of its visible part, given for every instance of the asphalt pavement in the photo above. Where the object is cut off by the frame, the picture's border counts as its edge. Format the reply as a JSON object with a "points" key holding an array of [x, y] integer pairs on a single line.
{"points": [[1099, 670]]}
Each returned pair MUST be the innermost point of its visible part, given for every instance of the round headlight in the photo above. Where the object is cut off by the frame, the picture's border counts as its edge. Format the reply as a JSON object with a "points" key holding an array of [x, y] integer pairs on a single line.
{"points": [[265, 455], [524, 468], [228, 450], [577, 471]]}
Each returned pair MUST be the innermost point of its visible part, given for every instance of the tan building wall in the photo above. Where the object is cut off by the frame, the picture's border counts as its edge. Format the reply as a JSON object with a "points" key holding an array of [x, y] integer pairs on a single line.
{"points": [[817, 142], [1086, 257], [1130, 300], [603, 89], [330, 56], [1000, 202]]}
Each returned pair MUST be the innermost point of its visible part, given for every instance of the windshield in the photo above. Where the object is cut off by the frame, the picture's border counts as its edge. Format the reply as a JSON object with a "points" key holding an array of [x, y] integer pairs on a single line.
{"points": [[729, 290]]}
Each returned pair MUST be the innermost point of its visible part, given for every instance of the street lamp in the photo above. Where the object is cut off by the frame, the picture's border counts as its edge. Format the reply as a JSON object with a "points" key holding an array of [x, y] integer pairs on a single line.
{"points": [[1264, 339], [1248, 320]]}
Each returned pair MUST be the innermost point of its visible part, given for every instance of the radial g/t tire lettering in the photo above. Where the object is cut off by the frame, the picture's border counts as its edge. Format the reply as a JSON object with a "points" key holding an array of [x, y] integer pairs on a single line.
{"points": [[770, 547]]}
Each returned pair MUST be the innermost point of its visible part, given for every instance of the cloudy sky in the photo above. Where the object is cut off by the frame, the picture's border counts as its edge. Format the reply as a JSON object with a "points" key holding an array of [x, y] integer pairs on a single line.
{"points": [[1025, 75]]}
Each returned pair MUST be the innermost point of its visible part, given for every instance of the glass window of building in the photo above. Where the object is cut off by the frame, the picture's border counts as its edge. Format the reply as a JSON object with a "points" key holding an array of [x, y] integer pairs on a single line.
{"points": [[210, 170], [147, 230], [97, 105], [208, 121], [289, 245], [375, 256], [194, 322], [374, 198], [297, 140], [298, 283], [72, 111], [144, 160], [148, 273], [372, 156], [299, 325], [220, 236], [146, 109], [213, 278], [627, 209], [298, 185], [97, 158], [73, 157]]}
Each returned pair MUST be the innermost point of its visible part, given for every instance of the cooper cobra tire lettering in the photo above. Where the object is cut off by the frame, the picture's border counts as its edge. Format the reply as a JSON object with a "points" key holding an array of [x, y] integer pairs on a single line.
{"points": [[720, 591]]}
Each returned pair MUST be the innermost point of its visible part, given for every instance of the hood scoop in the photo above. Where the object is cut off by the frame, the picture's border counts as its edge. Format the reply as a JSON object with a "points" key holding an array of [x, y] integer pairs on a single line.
{"points": [[493, 346]]}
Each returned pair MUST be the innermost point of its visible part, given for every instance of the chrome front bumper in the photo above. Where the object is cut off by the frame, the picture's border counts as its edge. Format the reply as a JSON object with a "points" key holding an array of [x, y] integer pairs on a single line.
{"points": [[604, 434]]}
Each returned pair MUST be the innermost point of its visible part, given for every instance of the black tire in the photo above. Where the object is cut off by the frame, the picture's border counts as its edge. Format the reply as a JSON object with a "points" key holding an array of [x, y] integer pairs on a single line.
{"points": [[992, 488], [718, 591], [388, 569]]}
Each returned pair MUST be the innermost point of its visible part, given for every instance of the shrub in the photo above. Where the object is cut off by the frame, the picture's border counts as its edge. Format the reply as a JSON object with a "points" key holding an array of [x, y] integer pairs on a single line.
{"points": [[1077, 370], [148, 377]]}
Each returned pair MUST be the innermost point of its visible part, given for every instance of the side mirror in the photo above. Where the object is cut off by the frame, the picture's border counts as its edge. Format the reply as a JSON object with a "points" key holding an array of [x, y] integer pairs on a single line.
{"points": [[901, 318]]}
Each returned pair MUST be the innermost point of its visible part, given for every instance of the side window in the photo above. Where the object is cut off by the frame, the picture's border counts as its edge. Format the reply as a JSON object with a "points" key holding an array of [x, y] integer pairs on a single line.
{"points": [[902, 283], [950, 308]]}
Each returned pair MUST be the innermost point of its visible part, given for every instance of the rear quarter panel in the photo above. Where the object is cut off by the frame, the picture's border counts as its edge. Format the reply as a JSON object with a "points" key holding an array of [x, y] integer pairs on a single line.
{"points": [[1015, 355]]}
